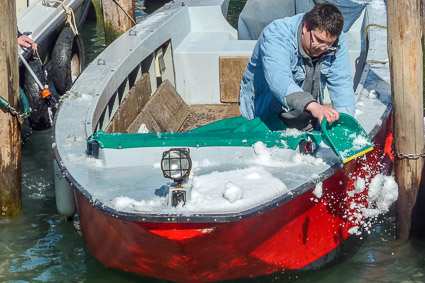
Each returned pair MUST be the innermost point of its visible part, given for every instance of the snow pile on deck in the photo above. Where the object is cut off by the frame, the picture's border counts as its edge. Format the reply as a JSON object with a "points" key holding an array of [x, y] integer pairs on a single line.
{"points": [[233, 188], [216, 191], [83, 159], [129, 204], [270, 157], [215, 188]]}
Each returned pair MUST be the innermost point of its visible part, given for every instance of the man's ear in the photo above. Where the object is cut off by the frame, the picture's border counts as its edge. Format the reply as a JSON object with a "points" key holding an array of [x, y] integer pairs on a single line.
{"points": [[305, 28]]}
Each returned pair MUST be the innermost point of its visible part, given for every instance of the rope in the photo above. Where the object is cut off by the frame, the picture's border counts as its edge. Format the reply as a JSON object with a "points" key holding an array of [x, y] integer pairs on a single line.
{"points": [[367, 37], [38, 57], [70, 19], [373, 25], [41, 64]]}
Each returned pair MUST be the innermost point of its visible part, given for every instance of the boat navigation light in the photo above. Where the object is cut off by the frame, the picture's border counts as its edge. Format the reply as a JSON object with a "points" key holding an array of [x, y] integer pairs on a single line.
{"points": [[176, 164]]}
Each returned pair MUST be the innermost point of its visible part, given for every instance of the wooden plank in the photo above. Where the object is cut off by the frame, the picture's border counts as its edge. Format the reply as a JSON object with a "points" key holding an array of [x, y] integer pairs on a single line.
{"points": [[231, 72], [164, 112], [232, 110], [203, 114], [406, 66], [131, 106]]}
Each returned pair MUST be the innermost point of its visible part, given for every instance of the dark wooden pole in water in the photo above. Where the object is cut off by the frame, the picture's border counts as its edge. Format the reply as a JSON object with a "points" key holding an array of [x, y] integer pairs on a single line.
{"points": [[10, 135], [116, 21], [405, 55], [98, 10]]}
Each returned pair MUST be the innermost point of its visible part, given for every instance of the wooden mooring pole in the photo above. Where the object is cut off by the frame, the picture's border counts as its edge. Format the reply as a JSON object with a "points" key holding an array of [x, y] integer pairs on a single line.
{"points": [[418, 217], [405, 55], [10, 135], [118, 17]]}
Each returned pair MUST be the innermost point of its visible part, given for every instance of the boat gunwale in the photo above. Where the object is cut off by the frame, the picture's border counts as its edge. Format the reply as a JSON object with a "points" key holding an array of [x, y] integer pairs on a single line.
{"points": [[220, 217]]}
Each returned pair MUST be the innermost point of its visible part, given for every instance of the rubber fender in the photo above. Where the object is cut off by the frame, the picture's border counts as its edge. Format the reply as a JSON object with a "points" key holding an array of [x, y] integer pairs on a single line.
{"points": [[39, 118], [68, 60], [65, 199]]}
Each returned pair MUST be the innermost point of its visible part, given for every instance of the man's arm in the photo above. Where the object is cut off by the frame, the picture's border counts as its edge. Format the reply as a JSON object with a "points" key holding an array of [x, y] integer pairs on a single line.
{"points": [[277, 50], [319, 111]]}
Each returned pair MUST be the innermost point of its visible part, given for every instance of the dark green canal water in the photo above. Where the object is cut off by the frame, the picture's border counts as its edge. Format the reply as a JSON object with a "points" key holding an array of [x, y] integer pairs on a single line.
{"points": [[40, 247]]}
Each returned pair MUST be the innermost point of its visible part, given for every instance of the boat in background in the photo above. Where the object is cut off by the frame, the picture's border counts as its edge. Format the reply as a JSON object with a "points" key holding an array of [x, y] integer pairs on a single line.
{"points": [[241, 202], [60, 50]]}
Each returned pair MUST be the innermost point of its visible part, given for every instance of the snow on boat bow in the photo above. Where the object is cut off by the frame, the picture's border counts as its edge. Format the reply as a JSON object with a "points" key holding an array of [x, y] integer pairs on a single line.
{"points": [[253, 205]]}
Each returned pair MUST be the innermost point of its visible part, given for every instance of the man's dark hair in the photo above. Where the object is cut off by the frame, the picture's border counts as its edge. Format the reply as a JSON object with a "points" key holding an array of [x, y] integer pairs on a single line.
{"points": [[325, 17]]}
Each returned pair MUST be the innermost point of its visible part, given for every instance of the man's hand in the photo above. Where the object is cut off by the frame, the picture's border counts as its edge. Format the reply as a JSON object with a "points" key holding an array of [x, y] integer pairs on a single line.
{"points": [[27, 42], [320, 112]]}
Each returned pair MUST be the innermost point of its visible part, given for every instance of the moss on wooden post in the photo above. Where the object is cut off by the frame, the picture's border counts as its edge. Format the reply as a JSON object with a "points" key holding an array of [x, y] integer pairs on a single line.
{"points": [[116, 21], [98, 10], [111, 33]]}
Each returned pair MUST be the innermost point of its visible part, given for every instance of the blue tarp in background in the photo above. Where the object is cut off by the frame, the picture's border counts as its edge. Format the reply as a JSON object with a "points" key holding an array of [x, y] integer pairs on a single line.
{"points": [[259, 13]]}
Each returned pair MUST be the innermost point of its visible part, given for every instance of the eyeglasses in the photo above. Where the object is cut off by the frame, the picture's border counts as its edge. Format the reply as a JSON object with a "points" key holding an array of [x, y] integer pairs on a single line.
{"points": [[320, 45]]}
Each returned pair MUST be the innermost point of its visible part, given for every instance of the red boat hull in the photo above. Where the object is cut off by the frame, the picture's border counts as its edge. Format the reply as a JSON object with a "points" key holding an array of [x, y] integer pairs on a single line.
{"points": [[303, 232]]}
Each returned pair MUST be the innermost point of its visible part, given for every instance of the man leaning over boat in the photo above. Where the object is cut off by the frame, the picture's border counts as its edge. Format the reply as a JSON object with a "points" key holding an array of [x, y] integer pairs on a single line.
{"points": [[292, 62]]}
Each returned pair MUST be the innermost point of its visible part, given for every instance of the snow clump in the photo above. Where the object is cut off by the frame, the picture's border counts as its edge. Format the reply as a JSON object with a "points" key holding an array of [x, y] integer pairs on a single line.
{"points": [[232, 193]]}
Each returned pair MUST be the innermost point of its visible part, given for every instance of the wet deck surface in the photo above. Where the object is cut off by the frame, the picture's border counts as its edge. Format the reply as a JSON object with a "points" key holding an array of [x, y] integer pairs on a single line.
{"points": [[203, 114]]}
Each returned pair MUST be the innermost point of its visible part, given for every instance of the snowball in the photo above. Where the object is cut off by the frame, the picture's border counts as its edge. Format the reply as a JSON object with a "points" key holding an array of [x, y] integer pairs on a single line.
{"points": [[232, 193]]}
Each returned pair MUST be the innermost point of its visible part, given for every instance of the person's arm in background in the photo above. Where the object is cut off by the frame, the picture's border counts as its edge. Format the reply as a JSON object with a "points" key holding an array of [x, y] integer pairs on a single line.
{"points": [[25, 41]]}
